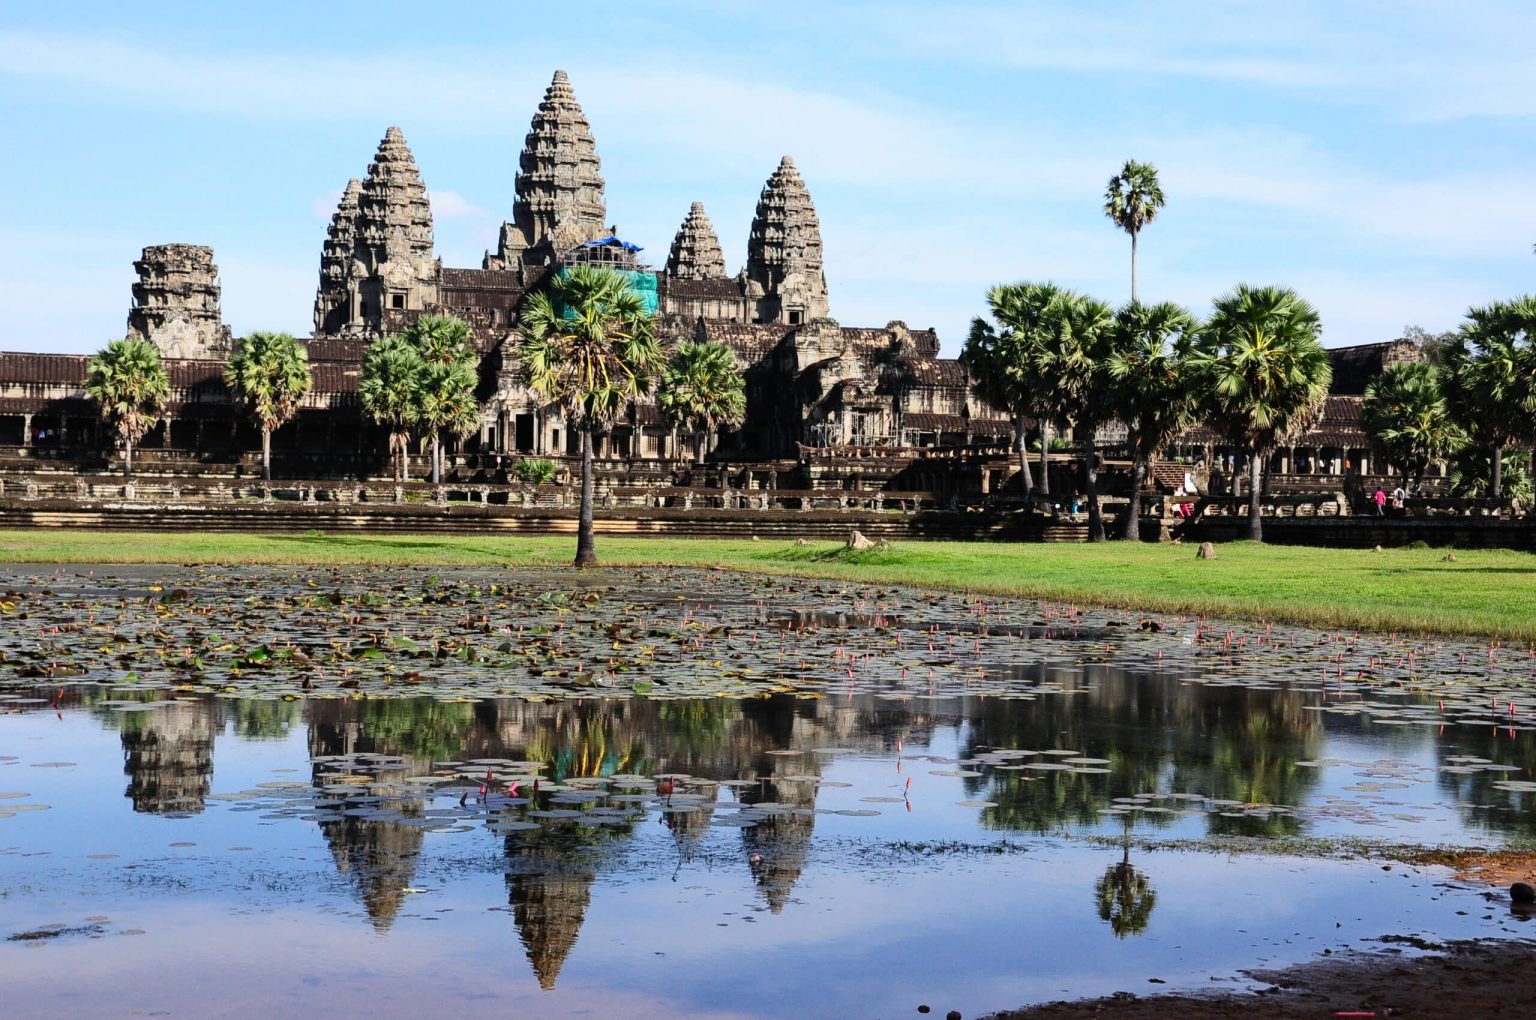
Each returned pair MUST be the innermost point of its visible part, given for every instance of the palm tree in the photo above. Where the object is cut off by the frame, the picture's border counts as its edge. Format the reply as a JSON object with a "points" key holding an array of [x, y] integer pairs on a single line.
{"points": [[445, 399], [269, 373], [700, 390], [1151, 388], [1132, 200], [587, 345], [1264, 373], [446, 403], [389, 388], [1405, 414], [1489, 377], [1006, 363], [1074, 365], [1124, 895], [129, 381]]}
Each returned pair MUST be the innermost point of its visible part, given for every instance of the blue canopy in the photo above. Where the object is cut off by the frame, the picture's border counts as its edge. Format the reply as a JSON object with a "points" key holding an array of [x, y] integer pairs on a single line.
{"points": [[602, 241]]}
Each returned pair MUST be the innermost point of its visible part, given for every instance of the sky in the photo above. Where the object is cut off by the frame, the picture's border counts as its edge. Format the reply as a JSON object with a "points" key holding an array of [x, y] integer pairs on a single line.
{"points": [[1375, 156]]}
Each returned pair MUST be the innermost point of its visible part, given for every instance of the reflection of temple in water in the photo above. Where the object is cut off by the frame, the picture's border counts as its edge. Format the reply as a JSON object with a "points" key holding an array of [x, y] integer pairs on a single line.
{"points": [[548, 888], [168, 756], [379, 857]]}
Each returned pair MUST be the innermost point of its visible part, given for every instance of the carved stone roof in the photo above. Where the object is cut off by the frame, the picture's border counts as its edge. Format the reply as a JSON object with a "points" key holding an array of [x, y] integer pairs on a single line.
{"points": [[946, 372], [1339, 424], [865, 336], [696, 251], [44, 369], [991, 427], [926, 422], [725, 289], [756, 338], [1355, 367], [335, 349], [482, 279], [926, 341]]}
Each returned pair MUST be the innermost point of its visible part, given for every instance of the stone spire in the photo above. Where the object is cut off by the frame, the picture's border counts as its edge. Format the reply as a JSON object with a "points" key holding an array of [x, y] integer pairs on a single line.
{"points": [[336, 261], [394, 222], [176, 302], [559, 185], [378, 257], [696, 251], [784, 271]]}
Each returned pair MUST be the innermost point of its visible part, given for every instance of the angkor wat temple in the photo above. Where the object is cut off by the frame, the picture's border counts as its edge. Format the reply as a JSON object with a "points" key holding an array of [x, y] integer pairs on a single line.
{"points": [[828, 406]]}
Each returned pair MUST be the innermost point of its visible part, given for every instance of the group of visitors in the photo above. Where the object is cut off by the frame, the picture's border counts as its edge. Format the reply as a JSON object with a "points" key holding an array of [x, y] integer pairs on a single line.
{"points": [[1399, 500]]}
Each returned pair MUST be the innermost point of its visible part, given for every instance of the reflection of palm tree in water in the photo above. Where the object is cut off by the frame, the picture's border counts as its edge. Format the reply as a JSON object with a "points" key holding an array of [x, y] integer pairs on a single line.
{"points": [[1125, 895]]}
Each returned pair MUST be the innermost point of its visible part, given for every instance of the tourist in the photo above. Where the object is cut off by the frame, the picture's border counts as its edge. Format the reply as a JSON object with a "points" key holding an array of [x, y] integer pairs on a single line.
{"points": [[1399, 498], [1381, 502]]}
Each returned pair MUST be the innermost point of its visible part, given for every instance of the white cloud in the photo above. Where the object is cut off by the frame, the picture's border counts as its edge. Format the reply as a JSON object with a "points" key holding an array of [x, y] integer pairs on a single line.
{"points": [[450, 205]]}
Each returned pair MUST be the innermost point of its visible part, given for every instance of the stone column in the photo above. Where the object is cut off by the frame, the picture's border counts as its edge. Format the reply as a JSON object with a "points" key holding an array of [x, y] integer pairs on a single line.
{"points": [[26, 430]]}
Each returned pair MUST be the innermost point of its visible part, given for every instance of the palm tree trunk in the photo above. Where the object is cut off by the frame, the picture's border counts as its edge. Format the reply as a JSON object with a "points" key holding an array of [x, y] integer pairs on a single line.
{"points": [[1022, 447], [1132, 530], [1045, 451], [437, 458], [1496, 487], [698, 449], [1091, 484], [1133, 267], [266, 454], [586, 550], [1255, 520], [127, 458]]}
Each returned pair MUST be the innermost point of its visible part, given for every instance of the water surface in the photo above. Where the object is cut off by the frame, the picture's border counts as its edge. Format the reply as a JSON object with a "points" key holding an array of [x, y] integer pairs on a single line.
{"points": [[912, 799]]}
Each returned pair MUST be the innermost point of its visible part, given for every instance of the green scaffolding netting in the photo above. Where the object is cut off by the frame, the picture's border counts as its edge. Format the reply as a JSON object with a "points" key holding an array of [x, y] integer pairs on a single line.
{"points": [[641, 282]]}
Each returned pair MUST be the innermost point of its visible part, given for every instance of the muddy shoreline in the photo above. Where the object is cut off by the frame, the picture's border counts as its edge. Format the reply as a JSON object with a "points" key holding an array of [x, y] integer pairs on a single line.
{"points": [[1459, 980]]}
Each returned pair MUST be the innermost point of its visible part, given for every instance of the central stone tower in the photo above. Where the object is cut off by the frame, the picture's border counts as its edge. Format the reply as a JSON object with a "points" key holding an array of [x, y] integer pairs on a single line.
{"points": [[559, 200]]}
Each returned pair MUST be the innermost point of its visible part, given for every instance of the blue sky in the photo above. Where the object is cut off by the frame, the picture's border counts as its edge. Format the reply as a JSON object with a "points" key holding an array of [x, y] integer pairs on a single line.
{"points": [[1376, 156]]}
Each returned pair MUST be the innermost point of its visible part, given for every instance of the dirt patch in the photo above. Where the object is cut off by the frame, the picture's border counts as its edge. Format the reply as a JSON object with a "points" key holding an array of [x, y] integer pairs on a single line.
{"points": [[1466, 979], [1489, 867]]}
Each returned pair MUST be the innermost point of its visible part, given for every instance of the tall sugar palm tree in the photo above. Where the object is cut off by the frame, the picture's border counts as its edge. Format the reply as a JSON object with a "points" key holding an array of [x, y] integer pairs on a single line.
{"points": [[1006, 363], [390, 388], [446, 404], [129, 381], [269, 374], [1264, 374], [588, 346], [1489, 377], [440, 338], [1074, 365], [1132, 200], [701, 389], [1151, 390], [445, 399], [1405, 414]]}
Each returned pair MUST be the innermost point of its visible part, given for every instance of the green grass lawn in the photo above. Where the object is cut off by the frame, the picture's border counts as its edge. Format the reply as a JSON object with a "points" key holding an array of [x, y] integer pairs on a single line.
{"points": [[1490, 592]]}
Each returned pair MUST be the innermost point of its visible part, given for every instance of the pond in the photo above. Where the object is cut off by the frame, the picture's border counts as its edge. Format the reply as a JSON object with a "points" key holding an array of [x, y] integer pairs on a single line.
{"points": [[702, 794]]}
